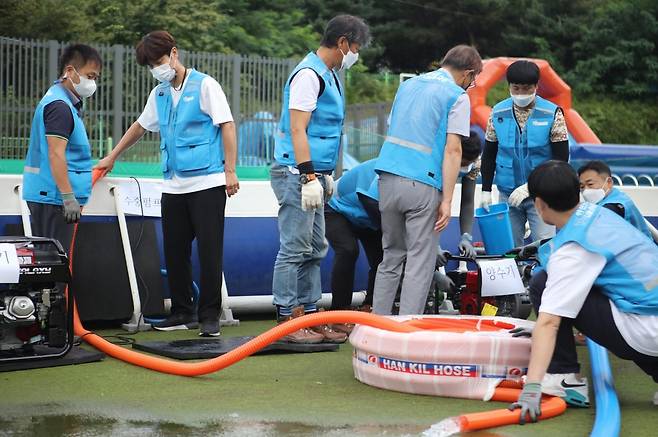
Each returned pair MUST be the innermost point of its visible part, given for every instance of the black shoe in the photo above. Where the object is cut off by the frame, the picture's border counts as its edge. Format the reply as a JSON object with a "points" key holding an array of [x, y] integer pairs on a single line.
{"points": [[209, 328], [176, 322]]}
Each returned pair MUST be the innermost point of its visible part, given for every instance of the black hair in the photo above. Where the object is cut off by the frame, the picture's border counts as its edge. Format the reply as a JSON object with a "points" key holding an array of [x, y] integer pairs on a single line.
{"points": [[523, 72], [471, 147], [598, 166], [556, 183], [154, 46], [351, 27], [462, 58], [78, 55]]}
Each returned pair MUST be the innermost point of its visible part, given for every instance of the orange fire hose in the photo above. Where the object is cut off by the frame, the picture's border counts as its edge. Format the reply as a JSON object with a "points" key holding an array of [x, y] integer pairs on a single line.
{"points": [[550, 407]]}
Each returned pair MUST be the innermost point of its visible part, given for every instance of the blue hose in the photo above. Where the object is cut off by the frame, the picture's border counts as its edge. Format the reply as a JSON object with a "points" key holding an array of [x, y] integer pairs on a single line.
{"points": [[608, 415]]}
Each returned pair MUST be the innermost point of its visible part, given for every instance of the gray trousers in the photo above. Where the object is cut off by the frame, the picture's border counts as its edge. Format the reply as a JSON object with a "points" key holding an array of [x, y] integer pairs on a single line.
{"points": [[48, 221], [409, 211]]}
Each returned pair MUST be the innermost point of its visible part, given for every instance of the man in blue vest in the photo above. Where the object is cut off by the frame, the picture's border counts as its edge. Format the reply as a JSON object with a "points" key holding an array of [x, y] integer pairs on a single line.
{"points": [[198, 152], [306, 150], [523, 131], [596, 187], [418, 167], [599, 275], [352, 216], [468, 175], [57, 174]]}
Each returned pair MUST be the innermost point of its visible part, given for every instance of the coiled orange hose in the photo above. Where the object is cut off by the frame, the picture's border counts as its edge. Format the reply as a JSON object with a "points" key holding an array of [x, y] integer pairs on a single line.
{"points": [[469, 422]]}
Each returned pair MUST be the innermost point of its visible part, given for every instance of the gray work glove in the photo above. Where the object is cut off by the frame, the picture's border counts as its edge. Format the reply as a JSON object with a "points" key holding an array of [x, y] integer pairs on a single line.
{"points": [[442, 257], [521, 332], [466, 246], [443, 282], [329, 187], [70, 208], [530, 250], [529, 402]]}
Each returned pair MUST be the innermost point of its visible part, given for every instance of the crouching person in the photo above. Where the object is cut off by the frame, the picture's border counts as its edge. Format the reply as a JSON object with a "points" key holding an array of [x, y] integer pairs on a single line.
{"points": [[599, 275], [352, 216]]}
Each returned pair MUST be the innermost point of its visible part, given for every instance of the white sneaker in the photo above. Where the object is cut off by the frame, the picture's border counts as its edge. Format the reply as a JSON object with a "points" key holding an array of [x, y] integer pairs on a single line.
{"points": [[568, 386], [655, 398]]}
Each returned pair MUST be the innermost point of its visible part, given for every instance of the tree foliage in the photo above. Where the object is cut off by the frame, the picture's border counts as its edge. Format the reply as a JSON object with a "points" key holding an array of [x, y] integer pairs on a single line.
{"points": [[599, 46]]}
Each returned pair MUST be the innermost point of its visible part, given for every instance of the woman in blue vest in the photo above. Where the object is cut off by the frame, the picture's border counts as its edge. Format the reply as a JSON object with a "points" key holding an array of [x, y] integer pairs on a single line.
{"points": [[352, 216], [198, 153], [596, 187], [305, 152], [418, 167], [523, 131], [57, 174], [599, 275]]}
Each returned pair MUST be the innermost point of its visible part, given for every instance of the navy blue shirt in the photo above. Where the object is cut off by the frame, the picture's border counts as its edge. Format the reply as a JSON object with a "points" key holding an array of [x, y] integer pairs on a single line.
{"points": [[57, 117]]}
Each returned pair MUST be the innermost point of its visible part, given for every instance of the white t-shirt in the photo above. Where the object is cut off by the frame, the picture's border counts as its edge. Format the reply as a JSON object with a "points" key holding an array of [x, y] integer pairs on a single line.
{"points": [[572, 271], [459, 118], [212, 102], [304, 89]]}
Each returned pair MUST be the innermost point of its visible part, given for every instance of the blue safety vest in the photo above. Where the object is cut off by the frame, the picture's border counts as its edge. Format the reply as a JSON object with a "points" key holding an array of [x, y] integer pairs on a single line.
{"points": [[630, 276], [190, 144], [521, 151], [326, 124], [417, 135], [38, 183], [361, 179], [631, 213]]}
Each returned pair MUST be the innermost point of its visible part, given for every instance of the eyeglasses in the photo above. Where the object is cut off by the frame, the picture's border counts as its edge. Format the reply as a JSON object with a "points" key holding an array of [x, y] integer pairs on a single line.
{"points": [[472, 84]]}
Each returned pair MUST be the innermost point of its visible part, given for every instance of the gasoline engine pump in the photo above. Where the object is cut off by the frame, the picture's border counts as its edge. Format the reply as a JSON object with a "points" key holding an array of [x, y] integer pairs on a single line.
{"points": [[466, 295], [36, 318]]}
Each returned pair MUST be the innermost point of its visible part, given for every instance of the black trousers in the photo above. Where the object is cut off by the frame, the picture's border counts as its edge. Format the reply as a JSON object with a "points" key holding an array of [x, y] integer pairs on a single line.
{"points": [[185, 217], [596, 322], [344, 239], [48, 221]]}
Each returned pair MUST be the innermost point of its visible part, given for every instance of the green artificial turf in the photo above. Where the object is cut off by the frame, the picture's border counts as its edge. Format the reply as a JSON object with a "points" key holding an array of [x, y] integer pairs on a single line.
{"points": [[294, 394]]}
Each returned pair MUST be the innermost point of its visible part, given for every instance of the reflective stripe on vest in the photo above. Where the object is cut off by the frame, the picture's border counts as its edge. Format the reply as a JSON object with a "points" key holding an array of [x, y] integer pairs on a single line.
{"points": [[409, 144]]}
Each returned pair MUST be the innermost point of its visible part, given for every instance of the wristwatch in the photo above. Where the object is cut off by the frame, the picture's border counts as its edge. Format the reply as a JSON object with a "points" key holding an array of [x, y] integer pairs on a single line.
{"points": [[306, 178]]}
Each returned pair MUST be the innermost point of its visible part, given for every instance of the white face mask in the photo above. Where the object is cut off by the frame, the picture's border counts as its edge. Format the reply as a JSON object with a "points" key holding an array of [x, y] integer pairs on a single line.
{"points": [[523, 100], [163, 73], [85, 88], [593, 195], [349, 59]]}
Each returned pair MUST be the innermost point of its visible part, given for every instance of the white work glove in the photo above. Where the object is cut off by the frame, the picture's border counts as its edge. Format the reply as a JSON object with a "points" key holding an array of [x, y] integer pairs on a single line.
{"points": [[329, 187], [518, 196], [485, 200], [312, 195]]}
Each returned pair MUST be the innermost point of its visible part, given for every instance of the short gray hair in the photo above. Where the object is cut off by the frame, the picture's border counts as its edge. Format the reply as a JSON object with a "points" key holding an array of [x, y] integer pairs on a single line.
{"points": [[463, 57], [351, 27]]}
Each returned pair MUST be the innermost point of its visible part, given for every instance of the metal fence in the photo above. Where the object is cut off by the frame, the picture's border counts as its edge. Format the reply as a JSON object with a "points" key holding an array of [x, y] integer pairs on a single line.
{"points": [[27, 67], [366, 127], [252, 85]]}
